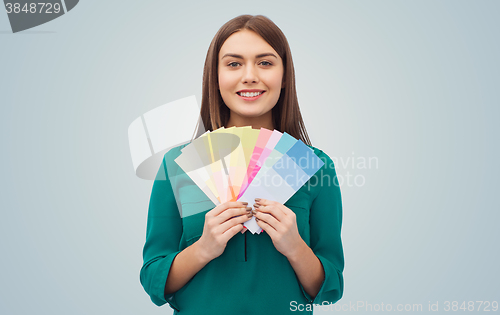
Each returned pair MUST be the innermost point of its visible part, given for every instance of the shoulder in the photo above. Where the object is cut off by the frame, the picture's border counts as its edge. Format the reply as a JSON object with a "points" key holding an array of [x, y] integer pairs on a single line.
{"points": [[168, 160], [323, 156], [327, 172], [315, 150], [174, 152], [325, 179]]}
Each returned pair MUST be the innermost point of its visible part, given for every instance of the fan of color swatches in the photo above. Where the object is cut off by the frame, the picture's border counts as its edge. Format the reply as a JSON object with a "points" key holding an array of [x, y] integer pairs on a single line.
{"points": [[241, 164]]}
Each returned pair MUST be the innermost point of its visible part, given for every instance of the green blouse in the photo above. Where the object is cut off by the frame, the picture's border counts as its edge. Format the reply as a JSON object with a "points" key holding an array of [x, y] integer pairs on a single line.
{"points": [[251, 276]]}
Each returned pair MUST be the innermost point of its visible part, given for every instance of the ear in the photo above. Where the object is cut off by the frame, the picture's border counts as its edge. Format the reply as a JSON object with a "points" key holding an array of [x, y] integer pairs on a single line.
{"points": [[283, 84]]}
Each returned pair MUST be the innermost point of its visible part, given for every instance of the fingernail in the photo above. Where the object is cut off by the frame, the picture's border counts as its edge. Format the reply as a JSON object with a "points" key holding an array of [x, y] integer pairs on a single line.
{"points": [[256, 219], [245, 203], [250, 214], [256, 205], [257, 199], [254, 211], [248, 208]]}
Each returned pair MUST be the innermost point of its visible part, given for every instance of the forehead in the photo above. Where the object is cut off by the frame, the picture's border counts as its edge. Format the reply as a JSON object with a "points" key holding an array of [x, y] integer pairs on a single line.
{"points": [[246, 43]]}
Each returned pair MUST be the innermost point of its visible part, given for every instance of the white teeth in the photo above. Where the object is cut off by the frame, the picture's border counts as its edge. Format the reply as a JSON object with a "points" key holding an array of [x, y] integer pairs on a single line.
{"points": [[250, 94]]}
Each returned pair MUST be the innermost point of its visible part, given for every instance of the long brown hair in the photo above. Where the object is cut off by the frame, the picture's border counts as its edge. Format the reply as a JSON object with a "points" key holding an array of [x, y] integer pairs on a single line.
{"points": [[286, 113]]}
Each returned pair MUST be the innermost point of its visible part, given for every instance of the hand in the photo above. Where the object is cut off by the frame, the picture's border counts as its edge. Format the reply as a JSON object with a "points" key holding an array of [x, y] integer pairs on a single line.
{"points": [[221, 224], [280, 223]]}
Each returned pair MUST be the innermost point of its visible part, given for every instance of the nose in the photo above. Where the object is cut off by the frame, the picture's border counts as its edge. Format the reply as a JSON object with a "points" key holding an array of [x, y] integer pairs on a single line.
{"points": [[250, 75]]}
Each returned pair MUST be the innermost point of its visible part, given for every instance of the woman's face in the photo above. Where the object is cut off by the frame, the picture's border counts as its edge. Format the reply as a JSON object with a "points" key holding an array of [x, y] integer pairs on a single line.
{"points": [[250, 76]]}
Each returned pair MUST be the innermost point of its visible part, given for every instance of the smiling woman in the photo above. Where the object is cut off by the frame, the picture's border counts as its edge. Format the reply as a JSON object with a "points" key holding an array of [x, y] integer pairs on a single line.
{"points": [[250, 79], [202, 264], [262, 58]]}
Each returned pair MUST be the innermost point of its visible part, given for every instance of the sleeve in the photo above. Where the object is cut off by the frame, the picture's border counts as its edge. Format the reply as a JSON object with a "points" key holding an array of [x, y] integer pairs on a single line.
{"points": [[163, 233], [325, 227]]}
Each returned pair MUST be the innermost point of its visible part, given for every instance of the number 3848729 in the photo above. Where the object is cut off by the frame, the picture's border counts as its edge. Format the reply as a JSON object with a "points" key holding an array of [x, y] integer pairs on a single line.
{"points": [[34, 7]]}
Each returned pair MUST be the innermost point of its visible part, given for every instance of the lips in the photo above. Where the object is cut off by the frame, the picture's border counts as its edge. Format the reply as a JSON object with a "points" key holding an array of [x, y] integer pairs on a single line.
{"points": [[249, 94]]}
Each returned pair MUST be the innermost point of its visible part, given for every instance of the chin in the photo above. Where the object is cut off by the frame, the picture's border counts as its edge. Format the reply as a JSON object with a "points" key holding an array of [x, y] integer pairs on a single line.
{"points": [[249, 113]]}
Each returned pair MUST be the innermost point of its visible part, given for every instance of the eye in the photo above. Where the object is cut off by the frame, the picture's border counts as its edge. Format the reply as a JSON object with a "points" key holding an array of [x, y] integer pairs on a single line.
{"points": [[233, 63], [266, 63]]}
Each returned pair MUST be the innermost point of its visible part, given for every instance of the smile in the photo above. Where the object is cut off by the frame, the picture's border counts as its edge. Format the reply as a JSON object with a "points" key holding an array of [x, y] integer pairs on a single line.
{"points": [[249, 96]]}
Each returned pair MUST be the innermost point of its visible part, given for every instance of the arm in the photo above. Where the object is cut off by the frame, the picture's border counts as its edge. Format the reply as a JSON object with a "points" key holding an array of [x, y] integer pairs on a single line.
{"points": [[325, 221], [318, 267], [308, 269], [163, 234], [281, 224], [166, 269], [221, 224], [185, 265]]}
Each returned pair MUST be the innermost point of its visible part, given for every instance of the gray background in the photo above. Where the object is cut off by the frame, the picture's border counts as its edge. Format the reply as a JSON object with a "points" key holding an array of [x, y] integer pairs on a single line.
{"points": [[412, 83]]}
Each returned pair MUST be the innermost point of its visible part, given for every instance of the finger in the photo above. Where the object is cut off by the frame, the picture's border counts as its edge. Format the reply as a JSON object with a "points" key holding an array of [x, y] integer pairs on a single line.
{"points": [[244, 229], [233, 212], [267, 228], [224, 206], [273, 209], [265, 202], [262, 201], [231, 232], [232, 222], [269, 219]]}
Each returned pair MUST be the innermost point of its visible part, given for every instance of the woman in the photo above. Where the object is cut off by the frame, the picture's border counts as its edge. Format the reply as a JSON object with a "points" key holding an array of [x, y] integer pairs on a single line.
{"points": [[207, 263]]}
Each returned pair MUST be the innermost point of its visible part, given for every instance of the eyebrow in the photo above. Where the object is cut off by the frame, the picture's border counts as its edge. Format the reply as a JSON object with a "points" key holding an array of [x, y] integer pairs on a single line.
{"points": [[241, 57]]}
